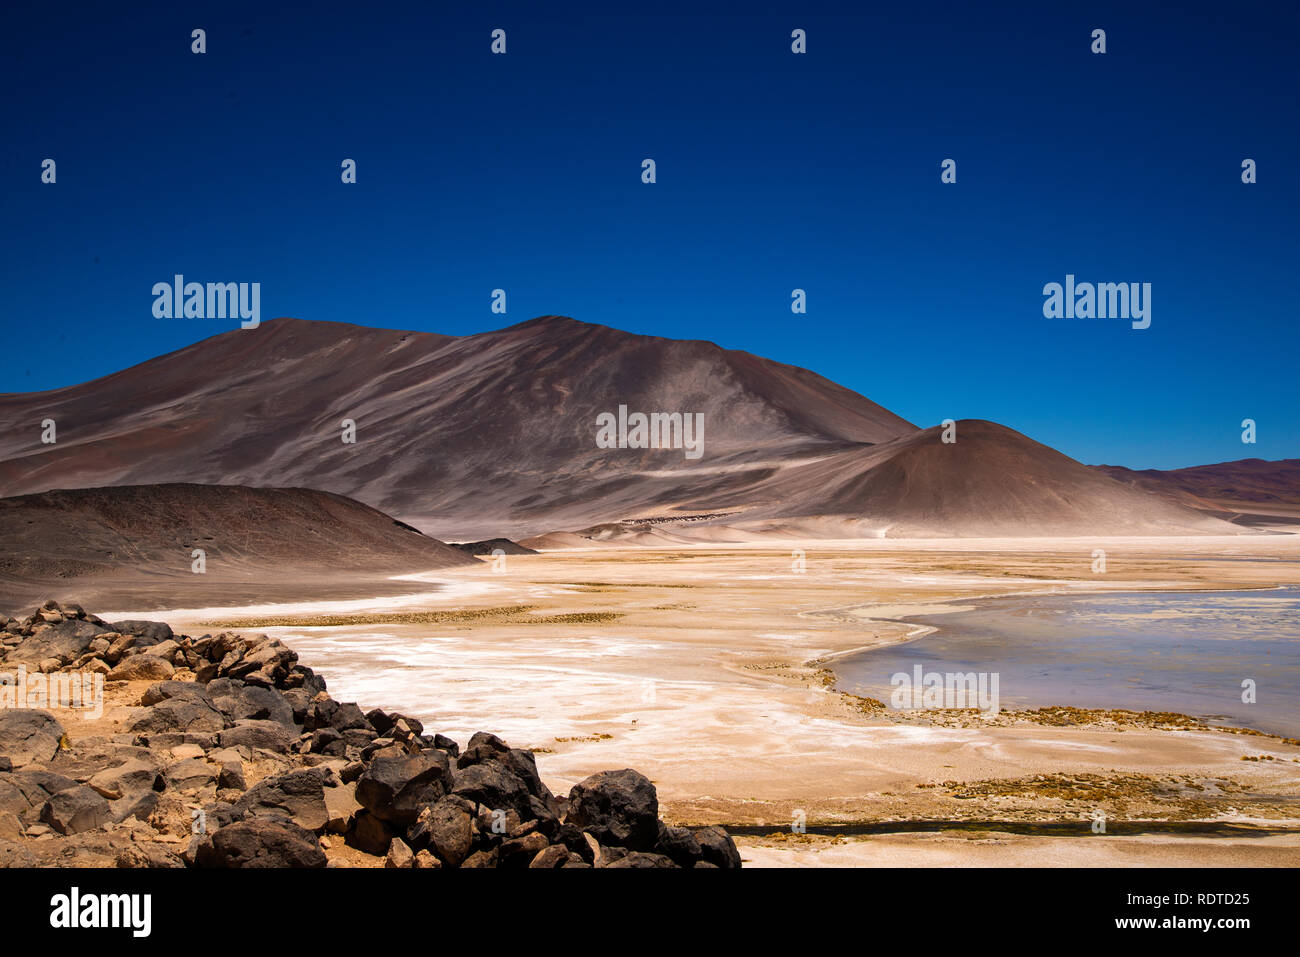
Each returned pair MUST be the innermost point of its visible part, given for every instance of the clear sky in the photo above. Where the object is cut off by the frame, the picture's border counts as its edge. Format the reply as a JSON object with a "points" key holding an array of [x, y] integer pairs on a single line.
{"points": [[775, 171]]}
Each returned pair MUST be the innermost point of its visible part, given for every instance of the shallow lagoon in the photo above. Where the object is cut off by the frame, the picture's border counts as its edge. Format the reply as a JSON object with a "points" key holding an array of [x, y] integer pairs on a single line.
{"points": [[1182, 651]]}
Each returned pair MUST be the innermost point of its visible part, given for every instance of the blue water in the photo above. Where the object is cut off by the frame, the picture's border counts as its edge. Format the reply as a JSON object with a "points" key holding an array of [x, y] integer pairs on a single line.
{"points": [[1187, 652]]}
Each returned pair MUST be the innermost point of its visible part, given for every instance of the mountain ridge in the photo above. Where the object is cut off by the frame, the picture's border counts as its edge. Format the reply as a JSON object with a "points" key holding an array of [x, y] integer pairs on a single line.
{"points": [[494, 434]]}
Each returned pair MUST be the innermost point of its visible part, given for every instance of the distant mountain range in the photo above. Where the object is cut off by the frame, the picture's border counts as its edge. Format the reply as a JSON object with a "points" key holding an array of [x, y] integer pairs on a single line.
{"points": [[1248, 491], [495, 434]]}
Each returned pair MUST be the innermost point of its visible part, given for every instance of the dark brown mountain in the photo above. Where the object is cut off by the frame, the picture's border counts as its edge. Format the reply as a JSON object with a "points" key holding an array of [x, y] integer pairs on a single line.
{"points": [[494, 434], [468, 437], [1247, 491], [129, 543], [991, 481]]}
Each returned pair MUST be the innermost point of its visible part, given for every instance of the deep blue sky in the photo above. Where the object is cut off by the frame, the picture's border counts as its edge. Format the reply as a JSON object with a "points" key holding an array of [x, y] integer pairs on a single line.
{"points": [[775, 171]]}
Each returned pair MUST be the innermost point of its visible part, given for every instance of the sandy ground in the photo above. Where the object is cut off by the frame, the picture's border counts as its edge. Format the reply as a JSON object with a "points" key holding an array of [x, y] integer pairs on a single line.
{"points": [[703, 667]]}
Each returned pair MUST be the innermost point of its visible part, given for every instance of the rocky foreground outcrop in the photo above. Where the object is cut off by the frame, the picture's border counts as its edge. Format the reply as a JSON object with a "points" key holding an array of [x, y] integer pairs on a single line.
{"points": [[229, 753]]}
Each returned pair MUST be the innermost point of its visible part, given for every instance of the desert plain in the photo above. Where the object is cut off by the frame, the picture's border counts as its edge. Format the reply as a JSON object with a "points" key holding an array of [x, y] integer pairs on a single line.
{"points": [[710, 668]]}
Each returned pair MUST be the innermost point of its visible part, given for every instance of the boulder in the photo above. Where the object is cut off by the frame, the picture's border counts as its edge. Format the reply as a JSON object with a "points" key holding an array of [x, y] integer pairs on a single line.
{"points": [[260, 842], [679, 844], [328, 741], [518, 852], [399, 855], [554, 855], [11, 829], [305, 679], [494, 786], [270, 735], [141, 668], [447, 828], [66, 641], [134, 776], [28, 735], [618, 808], [296, 795], [181, 690], [481, 747], [231, 776], [192, 774], [118, 645], [147, 632], [717, 847], [139, 805], [319, 712], [24, 793], [341, 806], [150, 854], [219, 814], [164, 649], [583, 845], [266, 662], [486, 858], [76, 809], [444, 743], [298, 701], [347, 717], [371, 835], [178, 714], [380, 720], [239, 701], [395, 787]]}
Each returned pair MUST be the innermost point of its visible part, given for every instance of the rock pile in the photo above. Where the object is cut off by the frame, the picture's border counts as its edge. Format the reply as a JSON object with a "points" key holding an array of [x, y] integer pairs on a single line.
{"points": [[234, 755]]}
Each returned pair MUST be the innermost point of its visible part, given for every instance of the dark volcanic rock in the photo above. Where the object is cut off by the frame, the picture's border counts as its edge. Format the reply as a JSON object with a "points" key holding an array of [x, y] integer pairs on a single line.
{"points": [[239, 701], [395, 787], [28, 735], [482, 747], [148, 632], [555, 855], [134, 776], [347, 717], [182, 713], [296, 795], [117, 795], [258, 734], [76, 809], [679, 844], [494, 786], [66, 640], [181, 690], [717, 846], [193, 774], [371, 834], [518, 852], [142, 668], [617, 807], [260, 842], [24, 793], [446, 827]]}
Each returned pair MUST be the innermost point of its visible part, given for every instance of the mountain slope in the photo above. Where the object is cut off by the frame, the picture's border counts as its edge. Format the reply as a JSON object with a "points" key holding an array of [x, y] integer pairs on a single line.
{"points": [[1247, 491], [470, 436], [991, 481], [113, 540], [495, 434]]}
